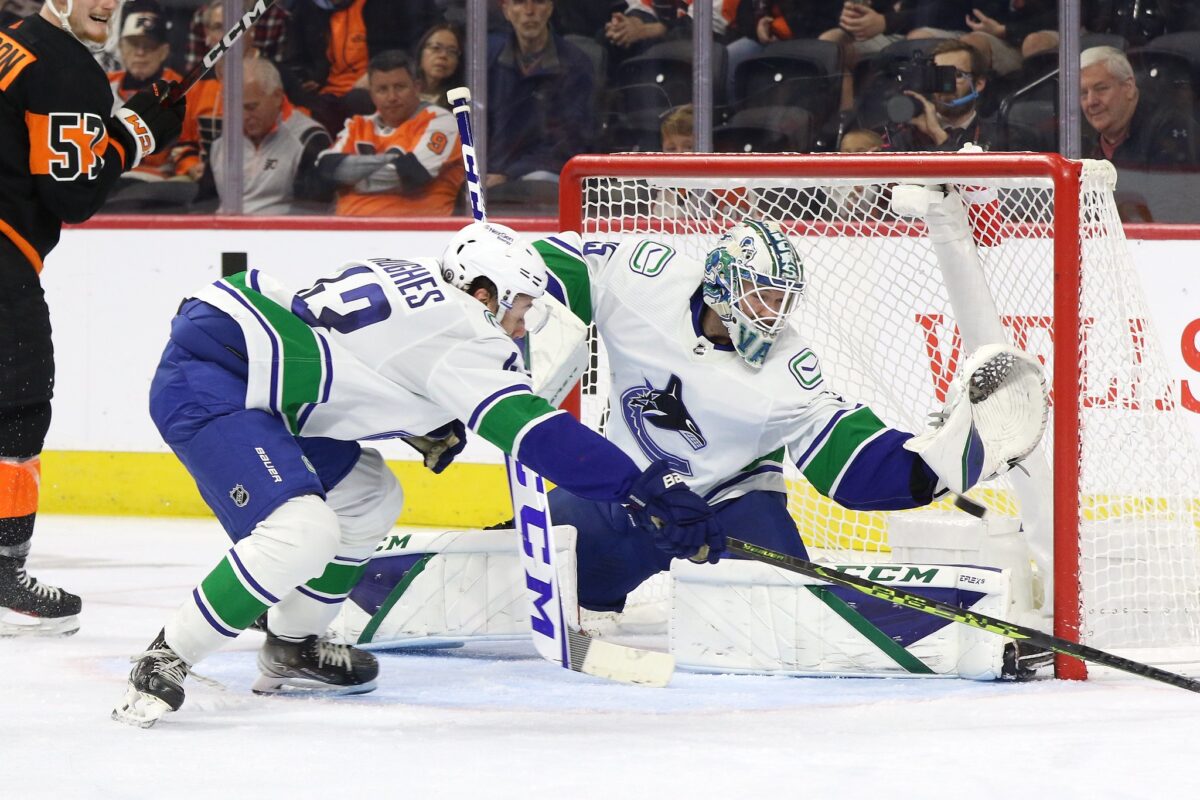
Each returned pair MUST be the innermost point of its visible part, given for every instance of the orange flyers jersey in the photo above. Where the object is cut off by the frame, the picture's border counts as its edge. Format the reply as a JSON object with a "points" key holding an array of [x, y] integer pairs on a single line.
{"points": [[432, 136], [158, 164], [201, 124], [63, 150]]}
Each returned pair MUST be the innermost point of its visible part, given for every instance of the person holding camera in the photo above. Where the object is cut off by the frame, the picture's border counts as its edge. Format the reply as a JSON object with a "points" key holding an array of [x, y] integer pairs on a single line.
{"points": [[938, 105]]}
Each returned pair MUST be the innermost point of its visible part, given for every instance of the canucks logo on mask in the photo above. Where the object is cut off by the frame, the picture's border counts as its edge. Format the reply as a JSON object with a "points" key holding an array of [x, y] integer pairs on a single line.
{"points": [[664, 409]]}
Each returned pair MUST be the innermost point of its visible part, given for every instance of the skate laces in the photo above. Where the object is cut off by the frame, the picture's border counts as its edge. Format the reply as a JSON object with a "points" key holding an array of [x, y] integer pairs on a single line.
{"points": [[168, 664], [31, 584], [337, 655]]}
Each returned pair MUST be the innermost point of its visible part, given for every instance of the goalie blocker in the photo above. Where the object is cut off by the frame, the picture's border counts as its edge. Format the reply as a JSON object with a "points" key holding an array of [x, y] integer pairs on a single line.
{"points": [[451, 588]]}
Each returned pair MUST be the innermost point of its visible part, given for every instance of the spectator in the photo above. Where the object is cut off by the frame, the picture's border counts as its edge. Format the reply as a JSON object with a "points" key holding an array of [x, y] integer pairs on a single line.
{"points": [[405, 159], [267, 35], [678, 130], [539, 97], [280, 147], [1121, 129], [441, 63], [13, 10], [205, 112], [947, 121], [144, 51], [861, 141], [330, 42], [1024, 27], [862, 201]]}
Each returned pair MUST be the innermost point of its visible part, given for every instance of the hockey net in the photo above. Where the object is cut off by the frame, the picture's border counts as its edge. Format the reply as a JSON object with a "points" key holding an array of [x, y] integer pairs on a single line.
{"points": [[1111, 496]]}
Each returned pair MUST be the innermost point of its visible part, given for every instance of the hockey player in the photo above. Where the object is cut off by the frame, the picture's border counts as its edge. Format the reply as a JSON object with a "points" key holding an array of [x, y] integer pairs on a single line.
{"points": [[63, 151], [262, 393], [708, 377]]}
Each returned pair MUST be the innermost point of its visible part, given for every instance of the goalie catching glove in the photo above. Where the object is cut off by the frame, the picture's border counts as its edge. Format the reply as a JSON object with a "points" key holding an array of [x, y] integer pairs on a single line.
{"points": [[994, 416], [441, 445], [681, 523]]}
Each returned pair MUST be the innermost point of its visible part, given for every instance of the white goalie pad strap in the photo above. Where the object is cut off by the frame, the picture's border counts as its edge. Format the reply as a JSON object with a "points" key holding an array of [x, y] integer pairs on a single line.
{"points": [[747, 617], [995, 414], [429, 588], [558, 352]]}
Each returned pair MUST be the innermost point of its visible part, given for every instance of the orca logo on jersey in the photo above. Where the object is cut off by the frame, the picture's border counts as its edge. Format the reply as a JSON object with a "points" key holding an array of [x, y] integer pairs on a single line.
{"points": [[664, 409]]}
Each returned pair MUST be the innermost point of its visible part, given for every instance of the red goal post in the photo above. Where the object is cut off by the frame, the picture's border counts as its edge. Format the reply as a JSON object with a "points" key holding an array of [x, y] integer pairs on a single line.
{"points": [[1048, 213]]}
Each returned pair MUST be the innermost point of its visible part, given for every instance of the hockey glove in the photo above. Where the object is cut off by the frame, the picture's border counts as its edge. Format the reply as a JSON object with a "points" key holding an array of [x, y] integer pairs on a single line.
{"points": [[681, 523], [441, 445], [149, 122]]}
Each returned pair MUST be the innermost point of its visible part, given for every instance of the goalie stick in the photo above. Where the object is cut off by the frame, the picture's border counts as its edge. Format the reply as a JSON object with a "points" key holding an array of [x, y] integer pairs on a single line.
{"points": [[553, 638], [972, 619], [217, 52]]}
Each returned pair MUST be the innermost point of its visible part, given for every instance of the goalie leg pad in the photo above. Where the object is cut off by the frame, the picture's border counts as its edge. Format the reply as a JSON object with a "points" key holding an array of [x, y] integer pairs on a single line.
{"points": [[447, 588], [742, 616]]}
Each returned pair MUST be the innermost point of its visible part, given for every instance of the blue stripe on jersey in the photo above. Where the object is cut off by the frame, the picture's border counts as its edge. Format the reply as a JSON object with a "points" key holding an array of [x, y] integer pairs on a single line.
{"points": [[880, 478], [327, 385], [761, 469], [578, 459], [273, 401], [557, 242], [803, 460], [320, 598], [555, 288], [492, 398]]}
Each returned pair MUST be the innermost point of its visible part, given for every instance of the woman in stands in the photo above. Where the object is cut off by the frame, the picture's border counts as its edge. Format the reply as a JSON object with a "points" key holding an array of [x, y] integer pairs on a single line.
{"points": [[440, 63]]}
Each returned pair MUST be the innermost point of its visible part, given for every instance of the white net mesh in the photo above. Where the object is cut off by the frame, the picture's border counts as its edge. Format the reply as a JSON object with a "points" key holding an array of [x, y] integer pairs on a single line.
{"points": [[879, 316]]}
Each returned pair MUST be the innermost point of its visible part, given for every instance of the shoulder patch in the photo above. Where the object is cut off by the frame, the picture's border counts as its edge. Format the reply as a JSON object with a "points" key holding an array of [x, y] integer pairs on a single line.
{"points": [[806, 369], [14, 58], [650, 257]]}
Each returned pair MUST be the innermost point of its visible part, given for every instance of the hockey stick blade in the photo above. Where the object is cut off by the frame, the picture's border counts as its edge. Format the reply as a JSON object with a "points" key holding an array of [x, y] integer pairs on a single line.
{"points": [[972, 619], [618, 662], [218, 51]]}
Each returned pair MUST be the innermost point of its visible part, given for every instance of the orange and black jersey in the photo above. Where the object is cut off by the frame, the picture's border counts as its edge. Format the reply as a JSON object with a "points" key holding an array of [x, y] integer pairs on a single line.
{"points": [[61, 150]]}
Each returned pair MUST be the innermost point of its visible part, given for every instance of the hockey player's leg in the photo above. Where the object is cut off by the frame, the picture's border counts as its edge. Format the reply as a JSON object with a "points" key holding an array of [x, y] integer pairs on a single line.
{"points": [[296, 540], [27, 607], [296, 656], [762, 518]]}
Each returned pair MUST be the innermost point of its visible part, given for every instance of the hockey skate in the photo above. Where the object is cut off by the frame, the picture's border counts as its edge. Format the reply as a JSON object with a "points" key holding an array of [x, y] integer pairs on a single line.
{"points": [[155, 686], [314, 666], [31, 608]]}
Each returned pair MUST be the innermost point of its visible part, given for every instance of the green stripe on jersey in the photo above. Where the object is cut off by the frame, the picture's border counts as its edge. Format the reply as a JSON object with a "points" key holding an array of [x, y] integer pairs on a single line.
{"points": [[846, 437], [503, 421], [301, 365], [230, 598], [774, 457], [572, 273]]}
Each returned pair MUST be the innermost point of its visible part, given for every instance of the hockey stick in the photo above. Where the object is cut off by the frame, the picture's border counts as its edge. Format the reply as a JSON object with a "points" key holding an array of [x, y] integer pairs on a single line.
{"points": [[553, 638], [972, 619], [218, 51]]}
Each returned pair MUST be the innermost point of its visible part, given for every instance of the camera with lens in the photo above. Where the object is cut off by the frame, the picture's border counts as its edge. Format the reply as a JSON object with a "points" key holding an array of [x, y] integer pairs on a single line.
{"points": [[920, 75]]}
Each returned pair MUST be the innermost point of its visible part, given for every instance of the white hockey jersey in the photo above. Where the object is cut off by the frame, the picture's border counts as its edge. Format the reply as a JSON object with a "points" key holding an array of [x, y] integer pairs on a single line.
{"points": [[677, 396]]}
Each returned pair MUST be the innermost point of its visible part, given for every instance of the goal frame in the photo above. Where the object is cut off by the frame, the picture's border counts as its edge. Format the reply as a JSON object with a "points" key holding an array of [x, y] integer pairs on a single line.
{"points": [[1066, 176]]}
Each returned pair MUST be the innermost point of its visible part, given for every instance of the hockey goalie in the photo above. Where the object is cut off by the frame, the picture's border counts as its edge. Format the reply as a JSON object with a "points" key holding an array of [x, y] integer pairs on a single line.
{"points": [[710, 376]]}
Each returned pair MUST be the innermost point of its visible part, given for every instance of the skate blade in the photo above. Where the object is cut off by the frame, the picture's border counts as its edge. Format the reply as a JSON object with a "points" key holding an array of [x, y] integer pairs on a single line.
{"points": [[14, 623], [139, 709], [306, 687]]}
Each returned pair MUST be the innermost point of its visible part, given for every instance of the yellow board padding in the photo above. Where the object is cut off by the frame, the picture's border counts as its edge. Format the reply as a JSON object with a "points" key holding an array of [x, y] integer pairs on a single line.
{"points": [[156, 484]]}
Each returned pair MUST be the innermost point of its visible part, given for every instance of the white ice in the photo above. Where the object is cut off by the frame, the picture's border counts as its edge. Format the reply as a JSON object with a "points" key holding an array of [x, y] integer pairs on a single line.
{"points": [[494, 721]]}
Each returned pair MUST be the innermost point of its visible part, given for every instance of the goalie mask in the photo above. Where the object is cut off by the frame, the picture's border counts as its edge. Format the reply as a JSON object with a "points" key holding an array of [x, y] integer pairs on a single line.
{"points": [[499, 254], [754, 280]]}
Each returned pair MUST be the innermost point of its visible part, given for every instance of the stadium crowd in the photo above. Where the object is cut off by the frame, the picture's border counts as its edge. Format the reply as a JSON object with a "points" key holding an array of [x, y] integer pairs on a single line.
{"points": [[345, 110]]}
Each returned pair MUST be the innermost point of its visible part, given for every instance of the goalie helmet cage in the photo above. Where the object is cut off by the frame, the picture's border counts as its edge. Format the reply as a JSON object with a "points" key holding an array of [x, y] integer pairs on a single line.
{"points": [[1109, 498]]}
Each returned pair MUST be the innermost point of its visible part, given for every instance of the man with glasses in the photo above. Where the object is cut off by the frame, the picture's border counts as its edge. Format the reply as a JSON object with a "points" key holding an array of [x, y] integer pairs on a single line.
{"points": [[947, 121]]}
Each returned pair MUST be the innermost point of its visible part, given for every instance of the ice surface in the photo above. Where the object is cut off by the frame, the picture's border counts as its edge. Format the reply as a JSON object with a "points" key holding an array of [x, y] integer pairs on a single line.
{"points": [[494, 721]]}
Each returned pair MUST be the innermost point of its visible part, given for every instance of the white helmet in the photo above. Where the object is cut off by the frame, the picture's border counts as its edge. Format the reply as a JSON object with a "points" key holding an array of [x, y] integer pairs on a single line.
{"points": [[499, 254], [754, 280]]}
